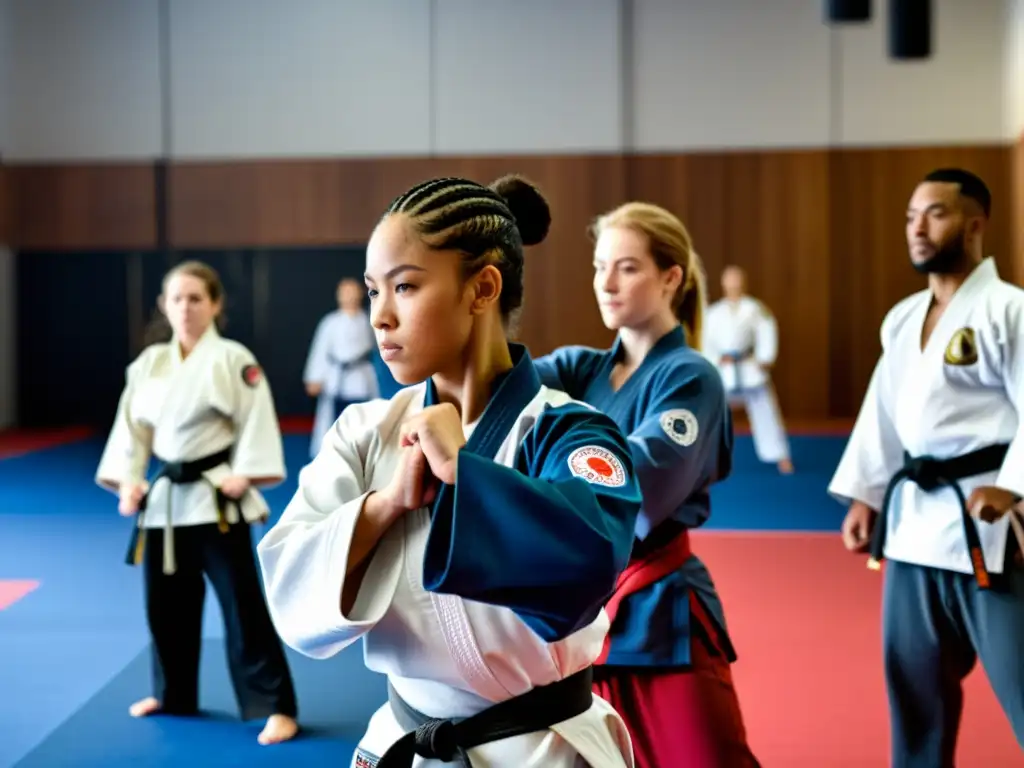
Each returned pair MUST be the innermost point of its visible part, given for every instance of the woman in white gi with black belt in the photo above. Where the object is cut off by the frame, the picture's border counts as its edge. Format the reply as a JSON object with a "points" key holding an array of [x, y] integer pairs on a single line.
{"points": [[200, 405], [471, 528]]}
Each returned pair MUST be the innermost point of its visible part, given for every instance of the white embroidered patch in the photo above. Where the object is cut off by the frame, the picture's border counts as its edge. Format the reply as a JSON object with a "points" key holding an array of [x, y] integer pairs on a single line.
{"points": [[680, 425], [598, 466]]}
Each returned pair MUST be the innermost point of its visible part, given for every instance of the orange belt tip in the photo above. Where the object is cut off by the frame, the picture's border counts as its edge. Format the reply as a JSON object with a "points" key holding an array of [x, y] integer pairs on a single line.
{"points": [[140, 546]]}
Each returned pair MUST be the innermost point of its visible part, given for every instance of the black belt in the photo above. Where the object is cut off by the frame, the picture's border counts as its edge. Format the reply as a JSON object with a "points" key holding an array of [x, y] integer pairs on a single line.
{"points": [[341, 403], [931, 474], [736, 358], [449, 740], [348, 365], [181, 473]]}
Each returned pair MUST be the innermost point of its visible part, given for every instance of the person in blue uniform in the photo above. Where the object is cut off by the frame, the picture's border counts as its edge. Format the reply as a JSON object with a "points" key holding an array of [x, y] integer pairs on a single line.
{"points": [[666, 668], [470, 529]]}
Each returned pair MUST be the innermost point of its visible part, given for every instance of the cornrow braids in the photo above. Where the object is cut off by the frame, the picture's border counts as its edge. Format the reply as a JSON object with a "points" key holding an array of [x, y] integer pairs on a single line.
{"points": [[488, 225]]}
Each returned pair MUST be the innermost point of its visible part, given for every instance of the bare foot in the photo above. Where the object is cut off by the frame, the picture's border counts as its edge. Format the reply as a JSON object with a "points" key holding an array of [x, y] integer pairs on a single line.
{"points": [[278, 728], [143, 707], [786, 467]]}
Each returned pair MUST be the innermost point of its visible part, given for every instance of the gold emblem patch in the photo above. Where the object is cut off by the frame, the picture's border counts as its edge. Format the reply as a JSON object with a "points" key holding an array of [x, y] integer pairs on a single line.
{"points": [[962, 349]]}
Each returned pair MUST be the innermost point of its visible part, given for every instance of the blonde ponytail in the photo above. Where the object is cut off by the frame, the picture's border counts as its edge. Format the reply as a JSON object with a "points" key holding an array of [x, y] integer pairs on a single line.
{"points": [[690, 300]]}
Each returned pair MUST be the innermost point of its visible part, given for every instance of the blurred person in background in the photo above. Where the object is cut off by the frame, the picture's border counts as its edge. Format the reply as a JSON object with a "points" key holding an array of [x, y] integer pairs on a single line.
{"points": [[340, 367], [741, 338], [200, 405]]}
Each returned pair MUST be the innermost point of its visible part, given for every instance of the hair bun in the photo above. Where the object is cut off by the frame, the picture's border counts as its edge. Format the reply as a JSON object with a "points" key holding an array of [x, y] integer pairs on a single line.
{"points": [[528, 206]]}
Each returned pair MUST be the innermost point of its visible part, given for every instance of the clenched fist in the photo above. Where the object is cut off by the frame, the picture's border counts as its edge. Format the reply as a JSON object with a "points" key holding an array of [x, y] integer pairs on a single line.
{"points": [[857, 527], [438, 431]]}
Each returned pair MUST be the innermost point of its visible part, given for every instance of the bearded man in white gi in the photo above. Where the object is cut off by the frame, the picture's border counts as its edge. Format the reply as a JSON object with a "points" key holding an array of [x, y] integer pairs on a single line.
{"points": [[934, 472]]}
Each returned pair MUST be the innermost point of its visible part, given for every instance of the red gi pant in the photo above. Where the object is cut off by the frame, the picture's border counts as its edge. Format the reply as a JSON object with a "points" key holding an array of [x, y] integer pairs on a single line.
{"points": [[685, 717]]}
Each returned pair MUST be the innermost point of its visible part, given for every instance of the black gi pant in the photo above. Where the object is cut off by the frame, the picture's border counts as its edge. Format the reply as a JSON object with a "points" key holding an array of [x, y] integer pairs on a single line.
{"points": [[937, 625], [174, 609]]}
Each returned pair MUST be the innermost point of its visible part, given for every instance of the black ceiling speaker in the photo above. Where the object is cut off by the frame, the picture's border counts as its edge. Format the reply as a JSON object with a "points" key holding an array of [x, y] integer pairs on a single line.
{"points": [[910, 29], [837, 11]]}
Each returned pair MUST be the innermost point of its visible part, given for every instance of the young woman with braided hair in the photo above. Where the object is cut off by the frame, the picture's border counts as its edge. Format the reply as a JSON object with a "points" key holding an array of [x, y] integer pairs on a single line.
{"points": [[470, 528]]}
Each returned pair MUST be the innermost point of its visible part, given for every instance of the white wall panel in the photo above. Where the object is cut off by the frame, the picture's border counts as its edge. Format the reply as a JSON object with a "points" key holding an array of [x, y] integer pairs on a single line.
{"points": [[84, 79], [300, 78], [1013, 94], [527, 76], [725, 73], [6, 59], [268, 78], [956, 96]]}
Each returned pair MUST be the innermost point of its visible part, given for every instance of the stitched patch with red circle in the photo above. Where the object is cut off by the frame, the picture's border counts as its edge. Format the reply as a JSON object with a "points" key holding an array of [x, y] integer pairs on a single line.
{"points": [[597, 465]]}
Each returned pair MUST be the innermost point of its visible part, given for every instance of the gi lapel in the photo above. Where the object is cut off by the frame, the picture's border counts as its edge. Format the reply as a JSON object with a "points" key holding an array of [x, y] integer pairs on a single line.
{"points": [[184, 383], [920, 370], [955, 317], [670, 342], [511, 395]]}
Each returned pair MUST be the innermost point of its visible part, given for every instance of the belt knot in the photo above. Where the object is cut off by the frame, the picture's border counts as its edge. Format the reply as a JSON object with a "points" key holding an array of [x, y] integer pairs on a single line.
{"points": [[925, 471], [436, 740]]}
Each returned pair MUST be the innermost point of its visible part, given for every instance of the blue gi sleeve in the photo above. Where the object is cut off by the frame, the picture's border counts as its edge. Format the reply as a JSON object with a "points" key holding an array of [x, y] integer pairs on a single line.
{"points": [[547, 538], [682, 445], [568, 369]]}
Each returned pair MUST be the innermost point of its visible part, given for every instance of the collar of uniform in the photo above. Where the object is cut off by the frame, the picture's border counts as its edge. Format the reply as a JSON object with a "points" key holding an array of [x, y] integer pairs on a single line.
{"points": [[670, 342], [513, 391], [209, 333], [983, 274], [985, 271], [955, 315]]}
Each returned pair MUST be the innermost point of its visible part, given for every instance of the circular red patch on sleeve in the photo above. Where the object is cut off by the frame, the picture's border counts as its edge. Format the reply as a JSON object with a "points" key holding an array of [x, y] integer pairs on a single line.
{"points": [[252, 375], [597, 465]]}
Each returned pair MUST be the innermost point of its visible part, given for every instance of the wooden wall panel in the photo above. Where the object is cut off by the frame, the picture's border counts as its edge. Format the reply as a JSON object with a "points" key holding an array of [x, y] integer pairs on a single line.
{"points": [[268, 203], [1017, 214], [870, 266], [82, 207], [820, 233], [340, 201], [768, 213]]}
